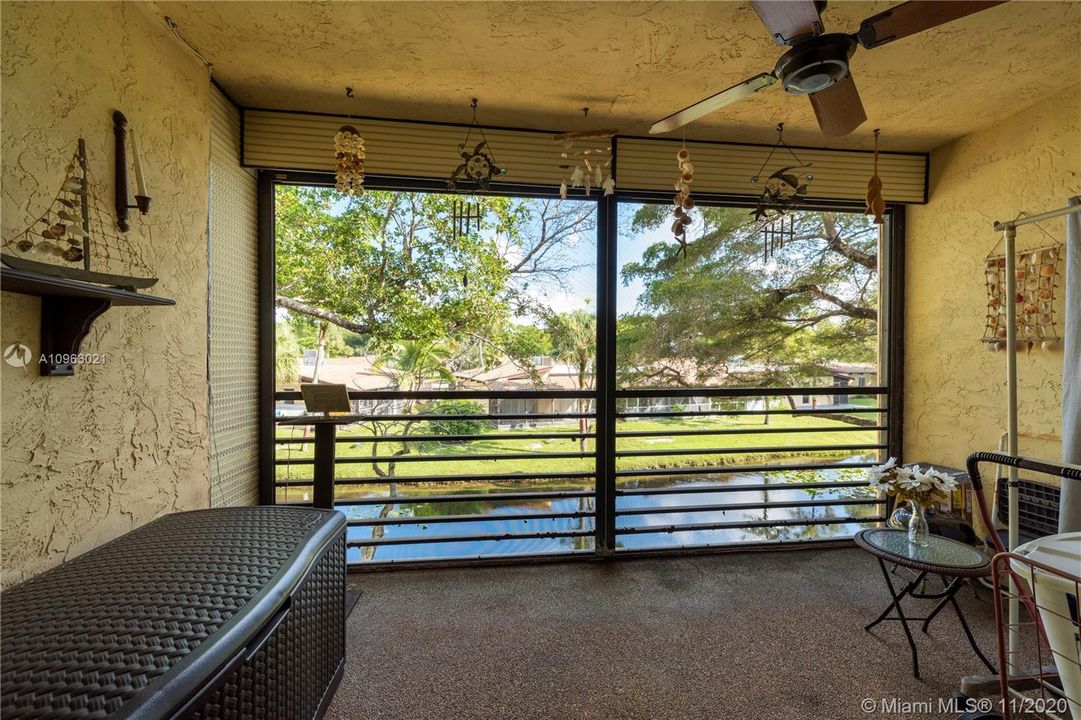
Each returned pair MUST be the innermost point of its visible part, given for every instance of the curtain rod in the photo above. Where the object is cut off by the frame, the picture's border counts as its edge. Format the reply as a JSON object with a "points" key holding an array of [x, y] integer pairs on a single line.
{"points": [[1012, 224]]}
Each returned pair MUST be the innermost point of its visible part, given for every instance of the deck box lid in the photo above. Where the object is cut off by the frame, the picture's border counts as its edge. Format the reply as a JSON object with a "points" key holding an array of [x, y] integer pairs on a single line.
{"points": [[139, 627]]}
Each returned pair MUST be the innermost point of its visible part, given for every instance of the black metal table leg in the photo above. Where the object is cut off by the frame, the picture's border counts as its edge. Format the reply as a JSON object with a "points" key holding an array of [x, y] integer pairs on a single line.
{"points": [[951, 589], [896, 604], [968, 634]]}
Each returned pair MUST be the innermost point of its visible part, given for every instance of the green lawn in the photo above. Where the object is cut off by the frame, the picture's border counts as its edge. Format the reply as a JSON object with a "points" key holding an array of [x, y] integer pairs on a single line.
{"points": [[832, 432]]}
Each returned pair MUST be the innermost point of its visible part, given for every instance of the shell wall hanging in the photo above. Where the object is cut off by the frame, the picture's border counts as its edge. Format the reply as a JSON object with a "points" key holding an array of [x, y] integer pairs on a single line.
{"points": [[683, 201], [349, 153], [1036, 283]]}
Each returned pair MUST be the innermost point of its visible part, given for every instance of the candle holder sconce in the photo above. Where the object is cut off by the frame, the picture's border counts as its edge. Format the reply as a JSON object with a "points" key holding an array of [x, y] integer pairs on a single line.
{"points": [[142, 196]]}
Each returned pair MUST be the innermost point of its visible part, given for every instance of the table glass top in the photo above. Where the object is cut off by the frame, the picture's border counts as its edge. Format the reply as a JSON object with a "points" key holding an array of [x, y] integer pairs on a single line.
{"points": [[938, 551]]}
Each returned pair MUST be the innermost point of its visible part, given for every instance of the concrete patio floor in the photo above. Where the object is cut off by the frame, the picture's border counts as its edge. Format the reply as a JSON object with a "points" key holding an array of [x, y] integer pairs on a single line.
{"points": [[750, 635]]}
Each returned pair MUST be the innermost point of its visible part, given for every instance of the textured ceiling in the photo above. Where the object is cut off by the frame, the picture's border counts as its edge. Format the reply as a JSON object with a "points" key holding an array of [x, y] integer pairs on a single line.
{"points": [[535, 64]]}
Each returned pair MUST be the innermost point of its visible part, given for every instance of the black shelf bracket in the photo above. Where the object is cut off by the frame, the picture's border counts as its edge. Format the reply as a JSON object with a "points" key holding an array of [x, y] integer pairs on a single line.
{"points": [[65, 323], [68, 310]]}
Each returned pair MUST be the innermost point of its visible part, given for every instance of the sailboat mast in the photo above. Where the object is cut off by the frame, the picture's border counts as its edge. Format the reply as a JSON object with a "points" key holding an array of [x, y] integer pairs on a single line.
{"points": [[84, 199]]}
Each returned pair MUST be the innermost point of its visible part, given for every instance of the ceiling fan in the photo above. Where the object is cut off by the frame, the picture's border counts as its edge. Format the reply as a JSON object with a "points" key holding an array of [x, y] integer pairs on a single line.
{"points": [[817, 63]]}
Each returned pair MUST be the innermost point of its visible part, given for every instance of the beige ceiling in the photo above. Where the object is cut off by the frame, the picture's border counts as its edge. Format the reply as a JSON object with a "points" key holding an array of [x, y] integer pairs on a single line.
{"points": [[535, 64]]}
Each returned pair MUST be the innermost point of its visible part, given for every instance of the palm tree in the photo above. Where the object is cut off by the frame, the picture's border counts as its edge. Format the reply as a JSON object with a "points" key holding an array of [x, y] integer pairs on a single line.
{"points": [[408, 364], [574, 341]]}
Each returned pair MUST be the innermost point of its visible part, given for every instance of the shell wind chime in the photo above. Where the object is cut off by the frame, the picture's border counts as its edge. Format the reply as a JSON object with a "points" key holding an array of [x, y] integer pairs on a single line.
{"points": [[782, 192], [349, 154], [876, 205], [683, 201], [590, 163], [1035, 282]]}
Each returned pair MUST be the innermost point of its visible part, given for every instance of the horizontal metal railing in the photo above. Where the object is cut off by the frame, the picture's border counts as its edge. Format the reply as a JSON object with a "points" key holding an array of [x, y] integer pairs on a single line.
{"points": [[654, 463], [567, 514], [539, 522]]}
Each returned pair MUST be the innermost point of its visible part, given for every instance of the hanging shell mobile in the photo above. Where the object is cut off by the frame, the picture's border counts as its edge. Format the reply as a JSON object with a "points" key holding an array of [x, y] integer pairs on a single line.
{"points": [[590, 164], [876, 204], [349, 153], [683, 201]]}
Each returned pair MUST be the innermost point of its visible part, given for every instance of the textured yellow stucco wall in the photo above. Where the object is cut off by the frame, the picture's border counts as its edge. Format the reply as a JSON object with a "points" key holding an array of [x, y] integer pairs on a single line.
{"points": [[87, 458], [955, 390]]}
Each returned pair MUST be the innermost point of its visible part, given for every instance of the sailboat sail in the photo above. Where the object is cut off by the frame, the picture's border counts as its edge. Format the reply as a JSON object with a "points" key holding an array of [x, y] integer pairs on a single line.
{"points": [[76, 239]]}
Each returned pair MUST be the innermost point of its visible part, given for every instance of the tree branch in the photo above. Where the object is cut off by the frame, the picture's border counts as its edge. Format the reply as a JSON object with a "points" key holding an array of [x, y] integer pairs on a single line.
{"points": [[850, 309], [838, 245], [321, 314]]}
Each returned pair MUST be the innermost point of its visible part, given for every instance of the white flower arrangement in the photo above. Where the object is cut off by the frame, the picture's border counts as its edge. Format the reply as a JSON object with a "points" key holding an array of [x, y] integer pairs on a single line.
{"points": [[913, 484]]}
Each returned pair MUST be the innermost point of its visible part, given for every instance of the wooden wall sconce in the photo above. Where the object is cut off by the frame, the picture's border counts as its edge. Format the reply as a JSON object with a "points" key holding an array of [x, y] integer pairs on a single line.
{"points": [[142, 196]]}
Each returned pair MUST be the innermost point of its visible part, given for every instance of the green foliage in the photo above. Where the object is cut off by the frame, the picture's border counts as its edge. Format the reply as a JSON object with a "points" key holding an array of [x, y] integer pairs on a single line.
{"points": [[723, 306], [412, 362], [357, 343], [387, 264], [574, 341], [453, 426], [307, 331], [526, 341], [287, 354]]}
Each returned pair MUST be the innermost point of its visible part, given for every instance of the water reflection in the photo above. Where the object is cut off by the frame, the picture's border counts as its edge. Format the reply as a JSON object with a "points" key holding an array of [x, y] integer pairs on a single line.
{"points": [[509, 516]]}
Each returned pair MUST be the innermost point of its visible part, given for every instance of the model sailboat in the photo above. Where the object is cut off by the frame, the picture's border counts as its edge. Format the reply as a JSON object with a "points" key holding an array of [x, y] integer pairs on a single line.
{"points": [[73, 231]]}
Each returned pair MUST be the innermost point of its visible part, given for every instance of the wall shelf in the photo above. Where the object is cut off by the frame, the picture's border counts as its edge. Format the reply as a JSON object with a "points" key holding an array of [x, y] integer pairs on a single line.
{"points": [[68, 309]]}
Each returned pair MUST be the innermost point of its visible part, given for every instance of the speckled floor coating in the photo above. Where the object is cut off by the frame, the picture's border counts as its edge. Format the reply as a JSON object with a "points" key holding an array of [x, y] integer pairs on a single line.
{"points": [[750, 635]]}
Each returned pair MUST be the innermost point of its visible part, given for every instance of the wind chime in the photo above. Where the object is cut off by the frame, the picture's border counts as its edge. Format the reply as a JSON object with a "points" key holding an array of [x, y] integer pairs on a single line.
{"points": [[782, 192], [683, 201], [590, 164], [349, 157], [478, 166], [465, 217], [876, 205]]}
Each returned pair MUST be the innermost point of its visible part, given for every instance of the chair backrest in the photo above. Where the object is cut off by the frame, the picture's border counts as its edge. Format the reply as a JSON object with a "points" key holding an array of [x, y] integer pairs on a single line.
{"points": [[1037, 507]]}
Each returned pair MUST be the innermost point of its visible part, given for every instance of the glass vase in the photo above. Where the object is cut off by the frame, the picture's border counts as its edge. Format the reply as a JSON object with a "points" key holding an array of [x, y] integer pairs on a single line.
{"points": [[918, 532], [900, 516]]}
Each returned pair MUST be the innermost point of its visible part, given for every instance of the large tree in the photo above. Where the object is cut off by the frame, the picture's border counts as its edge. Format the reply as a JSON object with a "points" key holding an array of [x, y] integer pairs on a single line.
{"points": [[389, 266], [724, 310]]}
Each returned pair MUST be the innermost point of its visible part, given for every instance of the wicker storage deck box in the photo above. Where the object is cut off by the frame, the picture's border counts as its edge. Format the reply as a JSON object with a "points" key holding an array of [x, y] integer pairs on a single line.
{"points": [[230, 613]]}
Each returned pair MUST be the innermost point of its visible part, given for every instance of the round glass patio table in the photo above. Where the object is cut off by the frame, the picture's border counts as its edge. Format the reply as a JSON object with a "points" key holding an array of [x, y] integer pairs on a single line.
{"points": [[938, 556], [950, 560]]}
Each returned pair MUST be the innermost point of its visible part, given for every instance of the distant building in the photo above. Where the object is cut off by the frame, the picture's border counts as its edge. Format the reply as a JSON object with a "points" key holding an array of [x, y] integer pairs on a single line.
{"points": [[361, 374]]}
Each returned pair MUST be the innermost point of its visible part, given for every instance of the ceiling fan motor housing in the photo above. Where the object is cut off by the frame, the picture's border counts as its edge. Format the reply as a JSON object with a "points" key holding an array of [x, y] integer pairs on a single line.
{"points": [[815, 64]]}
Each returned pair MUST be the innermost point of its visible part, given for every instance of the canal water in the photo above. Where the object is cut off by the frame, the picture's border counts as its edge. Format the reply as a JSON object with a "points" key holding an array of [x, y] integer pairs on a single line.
{"points": [[503, 517]]}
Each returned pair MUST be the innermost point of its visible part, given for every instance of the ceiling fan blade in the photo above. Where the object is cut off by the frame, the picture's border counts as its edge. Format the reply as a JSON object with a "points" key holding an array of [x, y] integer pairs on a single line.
{"points": [[838, 108], [787, 20], [713, 103], [916, 16]]}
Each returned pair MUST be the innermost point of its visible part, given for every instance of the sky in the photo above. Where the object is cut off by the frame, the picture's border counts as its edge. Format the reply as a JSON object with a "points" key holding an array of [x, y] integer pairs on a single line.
{"points": [[581, 284]]}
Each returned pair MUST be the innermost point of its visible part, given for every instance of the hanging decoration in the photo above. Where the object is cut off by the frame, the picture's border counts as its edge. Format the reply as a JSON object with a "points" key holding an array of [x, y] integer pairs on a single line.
{"points": [[876, 205], [782, 192], [587, 156], [74, 231], [1036, 281], [478, 165], [465, 218], [349, 152], [683, 201]]}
